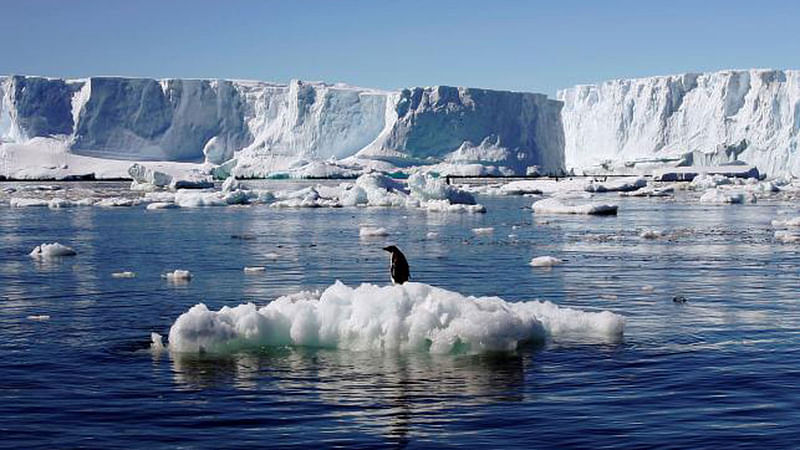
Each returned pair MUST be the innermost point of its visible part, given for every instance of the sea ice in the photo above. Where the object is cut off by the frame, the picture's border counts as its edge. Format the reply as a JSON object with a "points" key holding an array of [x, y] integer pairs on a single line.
{"points": [[545, 261], [553, 206], [178, 275], [407, 317], [16, 202], [53, 250], [125, 274], [161, 205], [485, 230], [718, 195], [372, 232], [254, 269]]}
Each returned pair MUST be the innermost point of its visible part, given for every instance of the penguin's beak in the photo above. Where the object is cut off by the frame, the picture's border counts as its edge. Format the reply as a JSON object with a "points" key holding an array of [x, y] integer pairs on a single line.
{"points": [[387, 249]]}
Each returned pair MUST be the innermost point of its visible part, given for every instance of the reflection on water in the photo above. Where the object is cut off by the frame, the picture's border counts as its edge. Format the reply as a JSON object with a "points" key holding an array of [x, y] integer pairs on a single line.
{"points": [[384, 392]]}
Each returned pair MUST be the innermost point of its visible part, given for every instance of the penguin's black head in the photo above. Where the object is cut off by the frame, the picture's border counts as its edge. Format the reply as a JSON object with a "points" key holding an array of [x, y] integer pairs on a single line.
{"points": [[391, 249]]}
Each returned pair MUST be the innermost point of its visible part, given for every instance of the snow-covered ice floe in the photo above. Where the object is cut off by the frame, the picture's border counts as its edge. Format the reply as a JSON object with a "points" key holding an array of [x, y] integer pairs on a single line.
{"points": [[178, 275], [372, 232], [125, 274], [787, 237], [407, 317], [793, 222], [545, 261], [627, 184], [717, 195], [54, 250], [553, 206]]}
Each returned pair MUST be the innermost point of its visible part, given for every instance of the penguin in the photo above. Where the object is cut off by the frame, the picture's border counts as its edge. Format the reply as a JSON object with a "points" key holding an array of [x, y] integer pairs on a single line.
{"points": [[399, 267]]}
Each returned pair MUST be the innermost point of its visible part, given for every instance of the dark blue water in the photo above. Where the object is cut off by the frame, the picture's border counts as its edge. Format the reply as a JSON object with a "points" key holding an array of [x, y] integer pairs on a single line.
{"points": [[721, 370]]}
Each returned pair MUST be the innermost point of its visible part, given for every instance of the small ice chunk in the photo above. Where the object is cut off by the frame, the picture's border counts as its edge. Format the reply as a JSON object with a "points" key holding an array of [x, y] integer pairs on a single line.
{"points": [[17, 202], [553, 206], [372, 232], [39, 318], [486, 230], [793, 222], [272, 255], [156, 342], [432, 235], [125, 274], [545, 261], [609, 296], [651, 234], [161, 205], [54, 250], [720, 196], [787, 237], [254, 269], [178, 275], [116, 202], [648, 288]]}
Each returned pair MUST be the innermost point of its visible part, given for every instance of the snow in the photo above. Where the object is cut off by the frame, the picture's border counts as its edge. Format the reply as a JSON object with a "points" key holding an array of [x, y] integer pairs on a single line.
{"points": [[407, 317], [699, 119], [54, 250], [545, 261], [554, 206]]}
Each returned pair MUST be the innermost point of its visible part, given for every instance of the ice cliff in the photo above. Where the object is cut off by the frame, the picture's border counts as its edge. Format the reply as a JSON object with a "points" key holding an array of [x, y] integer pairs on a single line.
{"points": [[697, 119], [264, 127]]}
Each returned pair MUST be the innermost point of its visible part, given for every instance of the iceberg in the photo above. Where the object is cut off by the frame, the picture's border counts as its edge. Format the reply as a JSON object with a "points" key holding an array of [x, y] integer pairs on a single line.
{"points": [[54, 128], [692, 119]]}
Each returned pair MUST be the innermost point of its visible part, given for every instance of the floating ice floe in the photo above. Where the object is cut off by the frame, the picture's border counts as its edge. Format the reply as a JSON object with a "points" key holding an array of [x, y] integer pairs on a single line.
{"points": [[372, 232], [407, 317], [161, 205], [648, 288], [255, 269], [39, 317], [545, 261], [485, 230], [431, 235], [125, 274], [627, 184], [553, 206], [793, 222], [725, 196], [17, 202], [116, 202], [651, 234], [787, 237], [54, 250], [178, 275], [663, 191]]}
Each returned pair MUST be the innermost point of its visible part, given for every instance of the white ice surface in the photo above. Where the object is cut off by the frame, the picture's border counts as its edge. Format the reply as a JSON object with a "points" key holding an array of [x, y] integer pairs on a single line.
{"points": [[553, 206], [407, 317], [54, 250], [545, 261]]}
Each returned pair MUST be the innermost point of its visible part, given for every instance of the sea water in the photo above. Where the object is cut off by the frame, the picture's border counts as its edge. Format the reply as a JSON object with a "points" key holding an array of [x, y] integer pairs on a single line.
{"points": [[709, 356]]}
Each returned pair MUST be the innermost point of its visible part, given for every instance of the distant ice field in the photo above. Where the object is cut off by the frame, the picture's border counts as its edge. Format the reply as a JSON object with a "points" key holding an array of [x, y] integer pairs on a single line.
{"points": [[708, 293]]}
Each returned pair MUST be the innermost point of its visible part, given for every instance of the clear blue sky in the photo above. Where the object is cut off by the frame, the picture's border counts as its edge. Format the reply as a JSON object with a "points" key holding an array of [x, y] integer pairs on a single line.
{"points": [[536, 46]]}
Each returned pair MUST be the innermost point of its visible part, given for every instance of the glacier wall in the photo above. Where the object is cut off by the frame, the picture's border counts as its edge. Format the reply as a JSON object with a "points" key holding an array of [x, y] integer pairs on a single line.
{"points": [[751, 116], [286, 124]]}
